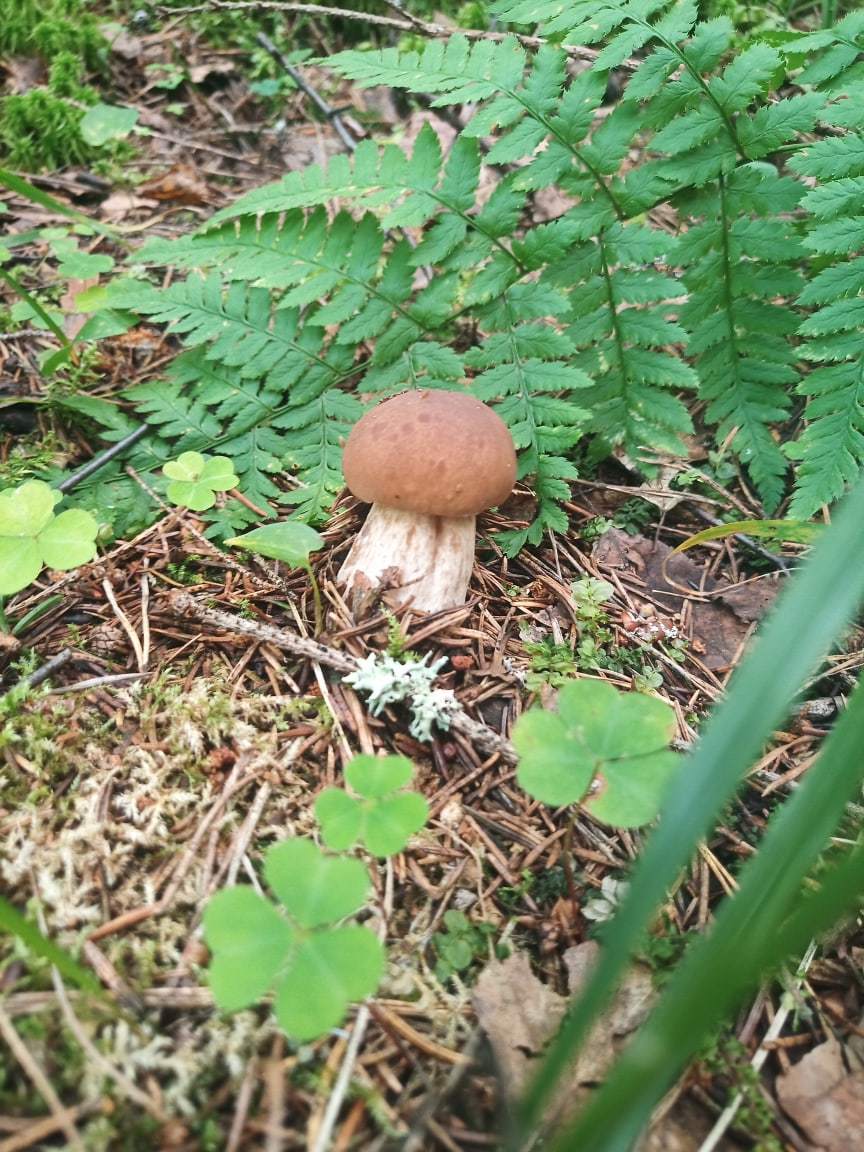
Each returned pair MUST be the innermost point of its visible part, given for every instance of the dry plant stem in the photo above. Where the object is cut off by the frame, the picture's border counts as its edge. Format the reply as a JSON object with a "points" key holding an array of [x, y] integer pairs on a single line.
{"points": [[435, 31], [424, 560], [727, 1116], [39, 1080], [484, 739]]}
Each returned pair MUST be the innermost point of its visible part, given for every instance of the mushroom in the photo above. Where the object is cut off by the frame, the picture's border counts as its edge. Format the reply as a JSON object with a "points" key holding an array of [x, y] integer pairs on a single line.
{"points": [[427, 462]]}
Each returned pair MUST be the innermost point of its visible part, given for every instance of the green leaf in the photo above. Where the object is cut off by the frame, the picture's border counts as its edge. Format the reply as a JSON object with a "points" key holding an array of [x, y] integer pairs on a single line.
{"points": [[392, 820], [196, 478], [329, 970], [104, 122], [249, 941], [316, 889], [341, 818], [629, 792], [69, 540], [376, 776], [13, 922], [384, 818], [597, 729], [290, 541], [26, 510], [32, 536], [20, 564]]}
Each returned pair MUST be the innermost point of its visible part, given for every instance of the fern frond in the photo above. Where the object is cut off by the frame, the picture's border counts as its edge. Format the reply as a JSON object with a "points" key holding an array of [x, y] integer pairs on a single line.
{"points": [[619, 321], [739, 254], [543, 118], [831, 448]]}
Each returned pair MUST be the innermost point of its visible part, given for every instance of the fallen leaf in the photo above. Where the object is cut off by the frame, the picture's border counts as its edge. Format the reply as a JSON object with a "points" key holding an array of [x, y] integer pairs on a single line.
{"points": [[520, 1015], [23, 73], [122, 42], [198, 73], [180, 185], [120, 204], [824, 1099], [720, 623]]}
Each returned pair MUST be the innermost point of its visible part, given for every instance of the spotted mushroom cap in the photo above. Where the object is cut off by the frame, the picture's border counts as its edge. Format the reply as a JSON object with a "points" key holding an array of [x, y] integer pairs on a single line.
{"points": [[436, 453]]}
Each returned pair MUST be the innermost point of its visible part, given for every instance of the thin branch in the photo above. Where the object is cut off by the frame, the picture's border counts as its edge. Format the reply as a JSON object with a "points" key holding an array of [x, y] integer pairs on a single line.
{"points": [[61, 1115], [434, 31], [484, 738], [326, 110]]}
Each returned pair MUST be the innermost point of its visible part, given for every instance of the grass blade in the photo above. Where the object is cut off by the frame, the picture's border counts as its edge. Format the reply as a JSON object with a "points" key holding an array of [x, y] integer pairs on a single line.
{"points": [[816, 606], [13, 922], [752, 933]]}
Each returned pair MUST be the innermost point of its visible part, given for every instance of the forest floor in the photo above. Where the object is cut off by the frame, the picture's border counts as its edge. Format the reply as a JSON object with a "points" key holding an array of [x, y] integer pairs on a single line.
{"points": [[165, 751]]}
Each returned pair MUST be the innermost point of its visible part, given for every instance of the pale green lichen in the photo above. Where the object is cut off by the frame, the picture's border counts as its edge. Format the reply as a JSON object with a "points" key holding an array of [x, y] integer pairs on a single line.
{"points": [[387, 681]]}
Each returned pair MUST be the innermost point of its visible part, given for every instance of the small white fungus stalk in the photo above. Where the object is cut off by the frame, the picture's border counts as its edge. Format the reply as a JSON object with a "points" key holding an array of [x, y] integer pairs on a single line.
{"points": [[426, 560]]}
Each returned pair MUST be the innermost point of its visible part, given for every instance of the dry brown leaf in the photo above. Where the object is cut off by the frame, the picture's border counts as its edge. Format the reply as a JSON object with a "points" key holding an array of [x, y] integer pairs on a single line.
{"points": [[123, 43], [825, 1099], [520, 1015], [719, 623], [120, 204], [198, 73], [181, 185], [23, 73]]}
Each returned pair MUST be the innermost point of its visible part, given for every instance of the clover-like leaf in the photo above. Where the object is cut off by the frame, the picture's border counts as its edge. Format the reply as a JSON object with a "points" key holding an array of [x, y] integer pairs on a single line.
{"points": [[315, 970], [31, 536], [195, 479], [289, 541], [249, 941], [328, 972], [383, 818], [620, 739], [628, 793], [316, 889], [376, 776]]}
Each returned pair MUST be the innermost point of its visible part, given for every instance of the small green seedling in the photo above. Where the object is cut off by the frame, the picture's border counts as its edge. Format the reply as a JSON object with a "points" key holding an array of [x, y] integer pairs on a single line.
{"points": [[32, 537], [604, 749], [459, 945], [381, 817], [195, 479], [291, 542], [315, 970]]}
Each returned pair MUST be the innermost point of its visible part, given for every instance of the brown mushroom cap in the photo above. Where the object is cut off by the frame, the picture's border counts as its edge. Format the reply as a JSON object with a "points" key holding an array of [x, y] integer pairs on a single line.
{"points": [[436, 453]]}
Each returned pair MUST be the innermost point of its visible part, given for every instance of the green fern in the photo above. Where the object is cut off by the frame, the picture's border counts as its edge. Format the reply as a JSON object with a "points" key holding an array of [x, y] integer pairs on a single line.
{"points": [[831, 448], [658, 282], [740, 254]]}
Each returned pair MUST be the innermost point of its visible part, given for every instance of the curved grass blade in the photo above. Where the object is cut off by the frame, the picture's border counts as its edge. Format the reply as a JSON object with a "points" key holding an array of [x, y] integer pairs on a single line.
{"points": [[13, 922], [754, 932], [814, 609]]}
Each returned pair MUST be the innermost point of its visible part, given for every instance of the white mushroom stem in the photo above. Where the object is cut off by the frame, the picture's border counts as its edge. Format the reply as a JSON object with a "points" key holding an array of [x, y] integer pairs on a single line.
{"points": [[426, 560]]}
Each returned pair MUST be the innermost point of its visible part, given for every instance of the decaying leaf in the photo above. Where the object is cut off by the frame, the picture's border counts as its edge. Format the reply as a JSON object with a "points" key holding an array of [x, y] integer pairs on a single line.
{"points": [[720, 623], [520, 1015], [825, 1098]]}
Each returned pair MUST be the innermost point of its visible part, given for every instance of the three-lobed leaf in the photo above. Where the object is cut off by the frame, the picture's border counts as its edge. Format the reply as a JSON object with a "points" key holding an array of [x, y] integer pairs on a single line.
{"points": [[381, 817], [315, 970], [196, 478], [32, 536], [615, 741]]}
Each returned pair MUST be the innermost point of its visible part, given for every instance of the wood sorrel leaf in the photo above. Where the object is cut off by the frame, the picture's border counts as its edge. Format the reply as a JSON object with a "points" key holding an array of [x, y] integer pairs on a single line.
{"points": [[383, 818], [329, 970], [617, 739], [315, 888], [249, 941]]}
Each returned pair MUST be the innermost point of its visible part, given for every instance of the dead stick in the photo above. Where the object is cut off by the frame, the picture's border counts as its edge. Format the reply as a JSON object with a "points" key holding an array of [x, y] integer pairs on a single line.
{"points": [[435, 31], [484, 738]]}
